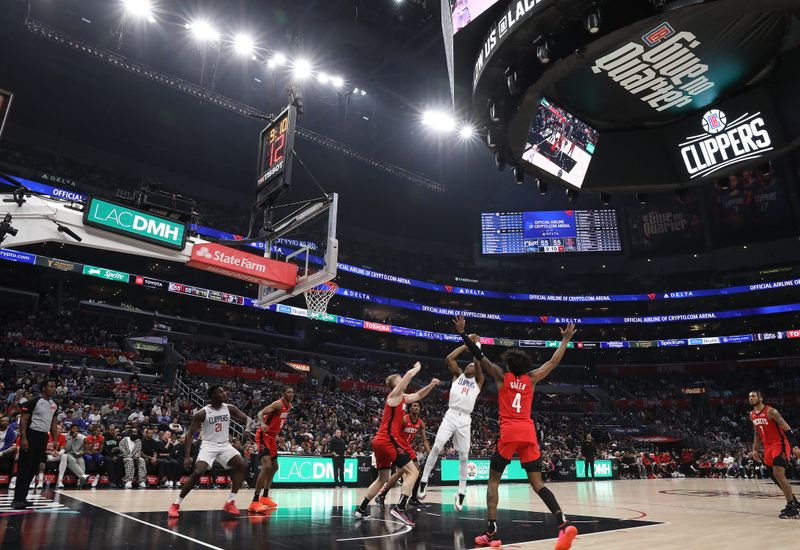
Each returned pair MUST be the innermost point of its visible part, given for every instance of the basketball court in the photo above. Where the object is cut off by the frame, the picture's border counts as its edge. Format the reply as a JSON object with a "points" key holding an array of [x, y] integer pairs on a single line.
{"points": [[625, 514]]}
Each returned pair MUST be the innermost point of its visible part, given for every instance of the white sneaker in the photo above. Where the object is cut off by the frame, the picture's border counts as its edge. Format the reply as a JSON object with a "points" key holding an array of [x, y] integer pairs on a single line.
{"points": [[459, 501], [170, 484], [33, 484], [13, 483], [95, 481], [128, 485], [142, 485], [40, 480]]}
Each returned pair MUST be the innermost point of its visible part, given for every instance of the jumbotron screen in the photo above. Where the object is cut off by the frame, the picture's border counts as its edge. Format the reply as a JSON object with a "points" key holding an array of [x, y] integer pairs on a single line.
{"points": [[466, 11], [560, 144], [550, 232]]}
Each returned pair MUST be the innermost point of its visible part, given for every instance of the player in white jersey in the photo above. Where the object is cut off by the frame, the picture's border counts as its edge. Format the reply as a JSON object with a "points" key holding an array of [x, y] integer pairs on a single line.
{"points": [[213, 422], [457, 421]]}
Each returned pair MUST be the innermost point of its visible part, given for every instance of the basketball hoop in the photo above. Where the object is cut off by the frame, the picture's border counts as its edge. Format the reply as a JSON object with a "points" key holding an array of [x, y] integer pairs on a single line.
{"points": [[317, 299]]}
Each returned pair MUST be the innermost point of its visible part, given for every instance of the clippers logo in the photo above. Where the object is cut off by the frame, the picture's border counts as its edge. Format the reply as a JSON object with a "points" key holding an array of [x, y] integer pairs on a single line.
{"points": [[714, 121], [664, 30], [724, 143], [666, 76]]}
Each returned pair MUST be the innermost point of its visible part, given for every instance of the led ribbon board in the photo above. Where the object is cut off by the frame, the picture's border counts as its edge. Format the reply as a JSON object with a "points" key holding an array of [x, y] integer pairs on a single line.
{"points": [[136, 224]]}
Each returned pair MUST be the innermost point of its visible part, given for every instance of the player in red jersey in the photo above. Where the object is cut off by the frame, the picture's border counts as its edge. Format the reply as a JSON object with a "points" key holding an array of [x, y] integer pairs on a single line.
{"points": [[412, 425], [517, 430], [778, 438], [388, 444], [273, 417]]}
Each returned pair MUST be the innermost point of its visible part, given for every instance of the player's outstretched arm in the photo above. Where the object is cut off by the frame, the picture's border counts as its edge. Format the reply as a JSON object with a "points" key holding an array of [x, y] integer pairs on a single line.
{"points": [[542, 372], [397, 392], [493, 370], [421, 394], [451, 363], [755, 444], [791, 435], [271, 408], [241, 417], [425, 443], [197, 421]]}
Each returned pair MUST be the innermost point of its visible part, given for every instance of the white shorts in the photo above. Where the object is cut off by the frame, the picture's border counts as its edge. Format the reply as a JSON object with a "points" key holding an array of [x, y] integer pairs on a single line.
{"points": [[457, 426], [221, 453]]}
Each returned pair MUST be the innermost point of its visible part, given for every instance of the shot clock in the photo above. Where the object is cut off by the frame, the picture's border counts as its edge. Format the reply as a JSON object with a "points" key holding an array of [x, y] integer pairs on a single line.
{"points": [[275, 152]]}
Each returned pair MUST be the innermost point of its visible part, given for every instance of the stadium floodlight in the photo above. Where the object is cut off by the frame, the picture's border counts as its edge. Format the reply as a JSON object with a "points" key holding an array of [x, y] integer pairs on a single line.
{"points": [[439, 121], [363, 92], [139, 8], [467, 131], [301, 69], [243, 44], [323, 78], [337, 81], [203, 31]]}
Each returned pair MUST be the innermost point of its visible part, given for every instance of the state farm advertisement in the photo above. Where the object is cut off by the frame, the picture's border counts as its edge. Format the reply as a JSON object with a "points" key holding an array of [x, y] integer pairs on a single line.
{"points": [[230, 262]]}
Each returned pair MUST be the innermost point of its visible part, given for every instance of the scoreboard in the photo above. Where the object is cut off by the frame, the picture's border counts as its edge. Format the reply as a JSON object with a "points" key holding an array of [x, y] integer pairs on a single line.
{"points": [[550, 232], [275, 153]]}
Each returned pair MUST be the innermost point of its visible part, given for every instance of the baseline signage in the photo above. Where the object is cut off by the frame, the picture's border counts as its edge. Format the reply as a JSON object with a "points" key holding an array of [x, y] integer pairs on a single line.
{"points": [[19, 257], [309, 469], [107, 274], [603, 469], [478, 470], [430, 335], [289, 245], [136, 224]]}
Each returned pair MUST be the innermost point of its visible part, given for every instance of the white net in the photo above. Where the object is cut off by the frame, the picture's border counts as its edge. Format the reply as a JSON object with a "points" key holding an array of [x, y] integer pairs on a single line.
{"points": [[318, 297]]}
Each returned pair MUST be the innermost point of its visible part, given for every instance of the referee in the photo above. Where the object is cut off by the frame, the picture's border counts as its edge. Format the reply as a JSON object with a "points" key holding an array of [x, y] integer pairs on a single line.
{"points": [[38, 417]]}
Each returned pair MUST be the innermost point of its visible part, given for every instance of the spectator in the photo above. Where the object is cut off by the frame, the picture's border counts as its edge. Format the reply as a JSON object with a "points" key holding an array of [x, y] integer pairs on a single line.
{"points": [[112, 458], [94, 452], [8, 446], [173, 466], [74, 450], [135, 466]]}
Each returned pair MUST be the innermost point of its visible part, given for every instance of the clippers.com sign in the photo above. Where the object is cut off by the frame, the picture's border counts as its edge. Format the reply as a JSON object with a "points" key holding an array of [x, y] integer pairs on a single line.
{"points": [[234, 263]]}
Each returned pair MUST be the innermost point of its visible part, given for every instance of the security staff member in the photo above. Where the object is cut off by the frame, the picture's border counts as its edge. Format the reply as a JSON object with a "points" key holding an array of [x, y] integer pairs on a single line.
{"points": [[38, 417], [338, 448]]}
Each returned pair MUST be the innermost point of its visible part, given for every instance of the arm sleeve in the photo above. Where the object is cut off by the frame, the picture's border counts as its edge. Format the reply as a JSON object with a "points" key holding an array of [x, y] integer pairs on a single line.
{"points": [[472, 346]]}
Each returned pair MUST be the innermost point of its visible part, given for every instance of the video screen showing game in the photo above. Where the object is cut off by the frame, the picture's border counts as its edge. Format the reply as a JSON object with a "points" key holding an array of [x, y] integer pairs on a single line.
{"points": [[560, 144], [466, 11]]}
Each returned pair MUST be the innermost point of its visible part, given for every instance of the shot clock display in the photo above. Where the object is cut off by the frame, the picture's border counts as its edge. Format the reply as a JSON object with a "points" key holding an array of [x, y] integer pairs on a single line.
{"points": [[276, 148]]}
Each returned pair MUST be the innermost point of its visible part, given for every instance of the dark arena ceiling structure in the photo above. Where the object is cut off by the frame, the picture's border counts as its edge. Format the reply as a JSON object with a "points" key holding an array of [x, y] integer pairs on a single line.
{"points": [[657, 94]]}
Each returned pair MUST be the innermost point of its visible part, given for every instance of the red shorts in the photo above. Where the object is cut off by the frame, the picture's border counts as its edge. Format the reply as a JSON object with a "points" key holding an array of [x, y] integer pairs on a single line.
{"points": [[268, 443], [387, 454], [527, 451], [410, 450], [777, 451]]}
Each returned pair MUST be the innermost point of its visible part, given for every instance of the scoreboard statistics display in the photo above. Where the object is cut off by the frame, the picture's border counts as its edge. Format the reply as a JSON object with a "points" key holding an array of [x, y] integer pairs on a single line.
{"points": [[550, 232], [275, 151], [5, 103]]}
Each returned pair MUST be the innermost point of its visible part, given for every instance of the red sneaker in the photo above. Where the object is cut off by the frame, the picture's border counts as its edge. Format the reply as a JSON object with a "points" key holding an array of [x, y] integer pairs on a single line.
{"points": [[566, 534], [487, 539], [230, 508], [174, 510], [267, 501]]}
